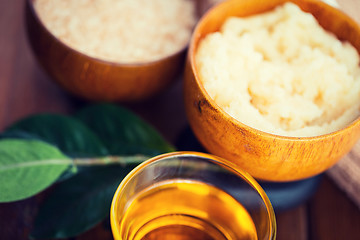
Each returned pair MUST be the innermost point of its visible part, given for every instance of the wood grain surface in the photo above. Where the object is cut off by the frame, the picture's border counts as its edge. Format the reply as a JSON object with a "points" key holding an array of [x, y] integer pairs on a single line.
{"points": [[26, 89]]}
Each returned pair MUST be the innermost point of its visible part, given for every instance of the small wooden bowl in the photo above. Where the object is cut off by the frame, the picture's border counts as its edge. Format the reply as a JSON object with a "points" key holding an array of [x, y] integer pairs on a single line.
{"points": [[95, 79], [265, 156]]}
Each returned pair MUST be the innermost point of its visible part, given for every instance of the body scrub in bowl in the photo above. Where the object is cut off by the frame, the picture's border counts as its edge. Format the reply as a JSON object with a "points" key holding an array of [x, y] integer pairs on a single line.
{"points": [[280, 72], [111, 49], [275, 86]]}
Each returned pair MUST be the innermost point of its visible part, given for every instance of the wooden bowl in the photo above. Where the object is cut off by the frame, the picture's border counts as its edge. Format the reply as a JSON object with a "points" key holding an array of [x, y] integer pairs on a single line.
{"points": [[265, 156], [95, 79]]}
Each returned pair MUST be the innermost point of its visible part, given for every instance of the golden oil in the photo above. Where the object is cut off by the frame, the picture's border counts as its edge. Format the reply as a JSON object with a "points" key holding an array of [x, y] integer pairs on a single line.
{"points": [[184, 210]]}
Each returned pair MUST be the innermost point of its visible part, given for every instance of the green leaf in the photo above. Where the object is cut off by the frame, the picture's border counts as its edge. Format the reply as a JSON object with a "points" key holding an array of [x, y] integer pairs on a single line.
{"points": [[18, 134], [71, 136], [28, 167], [98, 134], [79, 203], [123, 132]]}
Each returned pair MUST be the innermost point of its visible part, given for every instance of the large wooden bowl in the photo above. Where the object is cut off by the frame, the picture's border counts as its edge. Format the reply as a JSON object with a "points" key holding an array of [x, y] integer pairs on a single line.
{"points": [[263, 155], [95, 79]]}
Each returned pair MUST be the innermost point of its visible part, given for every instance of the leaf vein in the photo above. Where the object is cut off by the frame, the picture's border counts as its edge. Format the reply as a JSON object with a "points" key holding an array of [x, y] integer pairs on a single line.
{"points": [[36, 163]]}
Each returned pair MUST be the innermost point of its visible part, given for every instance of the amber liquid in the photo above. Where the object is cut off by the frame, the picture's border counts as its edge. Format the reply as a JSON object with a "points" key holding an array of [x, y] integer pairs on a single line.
{"points": [[184, 210]]}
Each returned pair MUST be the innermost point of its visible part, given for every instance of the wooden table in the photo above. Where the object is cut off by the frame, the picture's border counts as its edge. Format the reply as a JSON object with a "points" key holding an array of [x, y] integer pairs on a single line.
{"points": [[26, 89]]}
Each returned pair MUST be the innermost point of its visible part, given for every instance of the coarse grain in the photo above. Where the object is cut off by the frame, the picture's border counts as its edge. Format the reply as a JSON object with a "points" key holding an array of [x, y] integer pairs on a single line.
{"points": [[124, 31]]}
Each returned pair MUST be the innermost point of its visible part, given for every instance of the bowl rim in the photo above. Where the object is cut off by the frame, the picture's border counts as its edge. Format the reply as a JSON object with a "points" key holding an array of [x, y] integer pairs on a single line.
{"points": [[31, 8], [193, 45], [210, 157]]}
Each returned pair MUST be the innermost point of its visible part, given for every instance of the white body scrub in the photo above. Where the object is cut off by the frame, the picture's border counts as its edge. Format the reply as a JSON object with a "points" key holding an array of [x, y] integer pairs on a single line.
{"points": [[281, 72]]}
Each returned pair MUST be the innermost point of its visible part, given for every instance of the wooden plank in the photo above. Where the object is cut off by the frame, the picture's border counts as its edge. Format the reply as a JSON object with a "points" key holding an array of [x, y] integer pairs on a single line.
{"points": [[24, 89], [332, 215], [9, 27], [292, 224], [24, 86], [16, 219]]}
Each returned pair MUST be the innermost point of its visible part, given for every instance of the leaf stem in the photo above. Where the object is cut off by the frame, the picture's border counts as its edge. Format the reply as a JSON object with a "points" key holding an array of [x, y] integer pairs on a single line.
{"points": [[122, 160]]}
